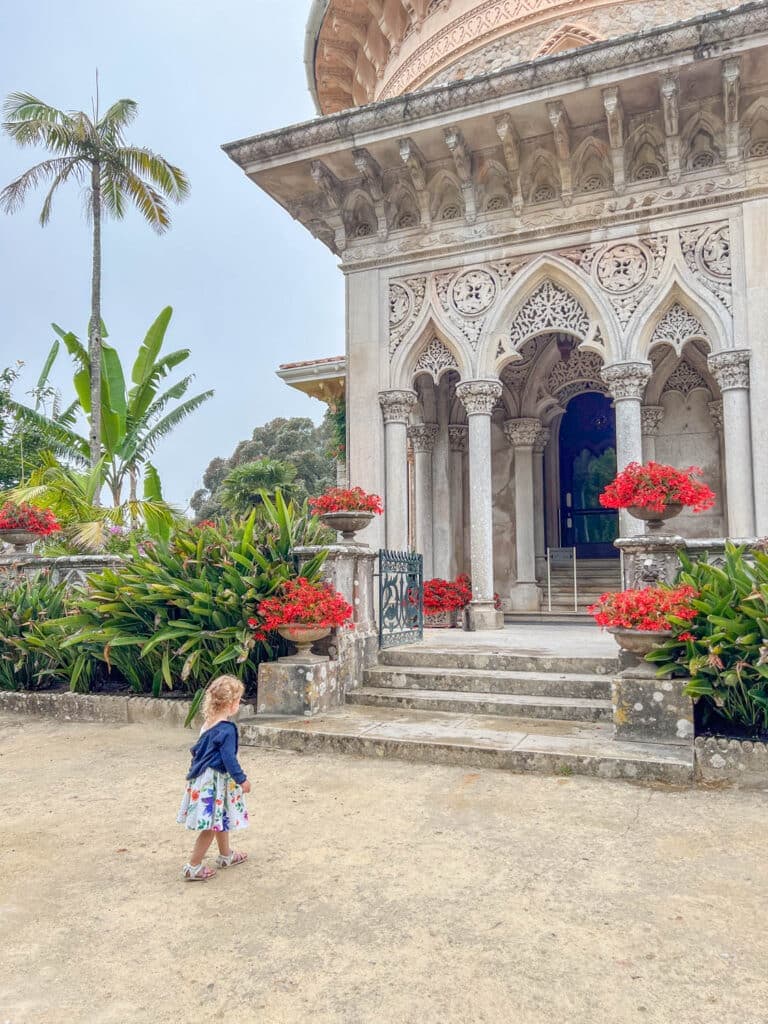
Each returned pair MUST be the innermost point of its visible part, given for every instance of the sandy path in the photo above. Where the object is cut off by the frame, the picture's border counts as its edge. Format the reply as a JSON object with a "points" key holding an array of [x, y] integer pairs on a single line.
{"points": [[377, 892]]}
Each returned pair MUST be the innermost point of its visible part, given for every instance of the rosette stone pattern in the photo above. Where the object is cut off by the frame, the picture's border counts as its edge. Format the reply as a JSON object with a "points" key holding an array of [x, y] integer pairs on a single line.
{"points": [[544, 282]]}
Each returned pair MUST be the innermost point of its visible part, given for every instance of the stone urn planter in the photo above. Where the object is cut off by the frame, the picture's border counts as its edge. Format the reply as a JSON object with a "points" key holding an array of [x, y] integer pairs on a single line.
{"points": [[639, 641], [303, 636], [18, 539], [440, 620], [653, 517], [347, 523]]}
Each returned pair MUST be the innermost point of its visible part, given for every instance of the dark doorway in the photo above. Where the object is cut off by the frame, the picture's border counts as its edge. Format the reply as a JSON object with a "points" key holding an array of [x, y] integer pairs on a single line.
{"points": [[587, 464]]}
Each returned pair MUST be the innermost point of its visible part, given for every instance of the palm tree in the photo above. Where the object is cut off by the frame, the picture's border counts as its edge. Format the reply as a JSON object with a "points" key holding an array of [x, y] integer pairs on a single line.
{"points": [[245, 487], [92, 152]]}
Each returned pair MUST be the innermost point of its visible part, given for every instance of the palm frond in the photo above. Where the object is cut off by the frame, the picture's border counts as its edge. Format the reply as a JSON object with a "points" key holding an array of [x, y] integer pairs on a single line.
{"points": [[168, 423], [148, 201], [13, 195], [30, 122], [118, 116], [75, 167], [144, 163], [112, 193], [56, 433]]}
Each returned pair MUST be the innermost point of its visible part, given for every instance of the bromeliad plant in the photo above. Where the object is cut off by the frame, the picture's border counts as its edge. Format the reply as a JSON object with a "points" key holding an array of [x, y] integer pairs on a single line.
{"points": [[24, 609], [346, 499], [652, 609], [655, 486], [301, 603], [723, 646], [23, 516]]}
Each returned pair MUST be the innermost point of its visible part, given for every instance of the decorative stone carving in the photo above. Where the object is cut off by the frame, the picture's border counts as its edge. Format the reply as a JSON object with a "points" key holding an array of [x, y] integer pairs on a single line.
{"points": [[716, 413], [627, 380], [473, 292], [676, 327], [479, 396], [523, 432], [396, 406], [685, 378], [651, 417], [622, 268], [707, 254], [543, 437], [458, 437], [730, 369], [515, 374], [550, 308], [435, 360], [406, 299], [423, 436], [579, 374]]}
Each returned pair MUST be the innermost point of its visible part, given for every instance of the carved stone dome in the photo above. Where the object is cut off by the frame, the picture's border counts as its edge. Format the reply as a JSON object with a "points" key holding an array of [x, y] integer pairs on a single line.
{"points": [[360, 51]]}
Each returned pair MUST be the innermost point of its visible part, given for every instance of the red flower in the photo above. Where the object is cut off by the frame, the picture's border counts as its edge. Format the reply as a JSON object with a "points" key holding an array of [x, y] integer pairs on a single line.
{"points": [[686, 636], [345, 499], [303, 603], [654, 486], [647, 609], [447, 595], [27, 517]]}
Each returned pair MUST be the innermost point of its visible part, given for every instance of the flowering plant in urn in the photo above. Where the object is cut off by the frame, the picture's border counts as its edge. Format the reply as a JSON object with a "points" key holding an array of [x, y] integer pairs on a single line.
{"points": [[301, 612], [346, 509], [40, 521], [655, 492], [639, 619]]}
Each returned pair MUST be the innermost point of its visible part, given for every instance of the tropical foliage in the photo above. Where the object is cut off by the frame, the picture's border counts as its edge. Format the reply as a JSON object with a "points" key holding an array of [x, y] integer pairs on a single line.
{"points": [[177, 614], [24, 609], [92, 153], [244, 487], [724, 647], [296, 442], [20, 444]]}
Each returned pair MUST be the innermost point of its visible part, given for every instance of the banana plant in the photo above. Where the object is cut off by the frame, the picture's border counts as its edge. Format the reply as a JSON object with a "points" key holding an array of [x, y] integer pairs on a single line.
{"points": [[134, 419]]}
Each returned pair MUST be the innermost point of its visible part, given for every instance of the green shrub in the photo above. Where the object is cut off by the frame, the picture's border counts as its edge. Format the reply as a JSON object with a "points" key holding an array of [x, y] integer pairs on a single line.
{"points": [[724, 649], [175, 615], [24, 608]]}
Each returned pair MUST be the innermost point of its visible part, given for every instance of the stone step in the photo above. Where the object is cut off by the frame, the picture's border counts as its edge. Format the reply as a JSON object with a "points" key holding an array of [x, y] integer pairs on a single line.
{"points": [[486, 681], [478, 741], [564, 709], [435, 657]]}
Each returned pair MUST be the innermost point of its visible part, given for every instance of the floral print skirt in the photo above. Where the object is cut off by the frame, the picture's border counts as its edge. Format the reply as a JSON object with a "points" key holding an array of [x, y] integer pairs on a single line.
{"points": [[213, 801]]}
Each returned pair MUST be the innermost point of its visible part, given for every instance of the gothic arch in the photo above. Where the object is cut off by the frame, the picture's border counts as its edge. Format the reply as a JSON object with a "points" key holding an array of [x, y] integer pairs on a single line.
{"points": [[644, 154], [755, 125], [647, 325], [445, 199], [429, 329], [591, 166], [359, 214], [551, 295], [493, 187], [402, 207], [702, 141], [683, 371], [541, 177]]}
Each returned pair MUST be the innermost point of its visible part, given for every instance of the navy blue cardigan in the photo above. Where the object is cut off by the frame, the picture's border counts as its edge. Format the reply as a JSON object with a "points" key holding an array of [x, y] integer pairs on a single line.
{"points": [[217, 749]]}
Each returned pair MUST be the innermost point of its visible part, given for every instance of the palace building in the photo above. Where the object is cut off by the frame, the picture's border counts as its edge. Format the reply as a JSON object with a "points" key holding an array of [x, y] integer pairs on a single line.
{"points": [[552, 219]]}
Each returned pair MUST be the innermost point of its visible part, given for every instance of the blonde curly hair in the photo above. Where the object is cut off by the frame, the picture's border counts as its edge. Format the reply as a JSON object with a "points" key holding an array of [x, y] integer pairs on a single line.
{"points": [[221, 693]]}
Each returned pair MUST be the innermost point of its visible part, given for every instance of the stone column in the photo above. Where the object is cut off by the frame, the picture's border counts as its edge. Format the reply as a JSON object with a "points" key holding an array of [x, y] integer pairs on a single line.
{"points": [[716, 415], [442, 538], [457, 439], [423, 437], [626, 383], [543, 437], [396, 407], [479, 398], [523, 434], [651, 418], [731, 371], [755, 334]]}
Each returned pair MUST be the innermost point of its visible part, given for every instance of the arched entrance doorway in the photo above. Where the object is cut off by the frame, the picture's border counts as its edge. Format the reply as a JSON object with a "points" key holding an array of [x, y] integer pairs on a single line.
{"points": [[587, 450]]}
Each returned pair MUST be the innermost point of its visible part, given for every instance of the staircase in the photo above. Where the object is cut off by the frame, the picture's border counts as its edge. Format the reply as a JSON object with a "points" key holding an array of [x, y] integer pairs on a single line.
{"points": [[469, 702], [594, 576]]}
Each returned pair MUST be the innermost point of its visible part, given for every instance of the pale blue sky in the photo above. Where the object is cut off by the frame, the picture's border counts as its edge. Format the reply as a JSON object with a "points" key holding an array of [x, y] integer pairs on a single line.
{"points": [[249, 286]]}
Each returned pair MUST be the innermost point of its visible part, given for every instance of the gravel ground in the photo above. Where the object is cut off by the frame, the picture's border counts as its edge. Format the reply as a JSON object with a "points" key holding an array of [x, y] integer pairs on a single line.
{"points": [[377, 891]]}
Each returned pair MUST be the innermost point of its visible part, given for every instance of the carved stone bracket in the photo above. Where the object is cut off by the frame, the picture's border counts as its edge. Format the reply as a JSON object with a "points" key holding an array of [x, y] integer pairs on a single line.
{"points": [[372, 176], [396, 406], [614, 114], [479, 397], [731, 92], [414, 161], [423, 436], [331, 188], [523, 433], [730, 369], [670, 96], [561, 131], [510, 143], [627, 381], [462, 159]]}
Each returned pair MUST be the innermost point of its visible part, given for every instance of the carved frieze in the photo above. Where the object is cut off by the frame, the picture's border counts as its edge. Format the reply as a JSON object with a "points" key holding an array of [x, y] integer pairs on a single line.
{"points": [[406, 299], [473, 293], [685, 378], [580, 373], [707, 254], [550, 308]]}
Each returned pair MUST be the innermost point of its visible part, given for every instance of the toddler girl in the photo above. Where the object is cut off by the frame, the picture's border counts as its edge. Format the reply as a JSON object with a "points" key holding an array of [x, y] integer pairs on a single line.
{"points": [[213, 804]]}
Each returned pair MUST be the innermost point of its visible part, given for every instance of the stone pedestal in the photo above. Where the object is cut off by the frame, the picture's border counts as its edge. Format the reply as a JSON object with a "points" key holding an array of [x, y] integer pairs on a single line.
{"points": [[650, 710], [650, 560], [291, 687]]}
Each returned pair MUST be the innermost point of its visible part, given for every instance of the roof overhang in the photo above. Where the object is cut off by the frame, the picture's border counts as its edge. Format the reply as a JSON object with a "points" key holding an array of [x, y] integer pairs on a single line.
{"points": [[324, 379]]}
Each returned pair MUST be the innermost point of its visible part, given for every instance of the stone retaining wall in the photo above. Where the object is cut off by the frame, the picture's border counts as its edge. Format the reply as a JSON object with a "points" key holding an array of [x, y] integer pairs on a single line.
{"points": [[98, 707], [741, 763]]}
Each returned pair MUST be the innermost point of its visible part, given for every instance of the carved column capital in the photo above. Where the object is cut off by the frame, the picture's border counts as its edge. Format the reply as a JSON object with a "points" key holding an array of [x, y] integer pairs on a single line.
{"points": [[522, 433], [396, 405], [457, 437], [730, 369], [627, 380], [716, 413], [651, 417], [543, 437], [479, 396], [423, 436]]}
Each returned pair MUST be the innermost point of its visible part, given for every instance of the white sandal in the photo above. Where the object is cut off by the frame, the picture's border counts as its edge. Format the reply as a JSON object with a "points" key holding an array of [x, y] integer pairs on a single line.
{"points": [[231, 859], [196, 873]]}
